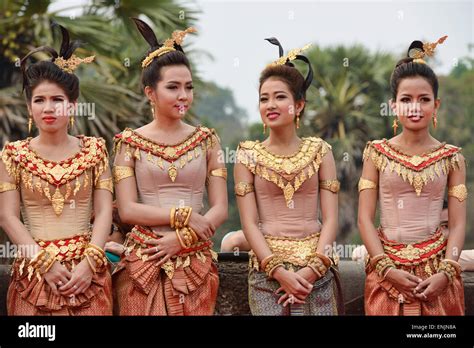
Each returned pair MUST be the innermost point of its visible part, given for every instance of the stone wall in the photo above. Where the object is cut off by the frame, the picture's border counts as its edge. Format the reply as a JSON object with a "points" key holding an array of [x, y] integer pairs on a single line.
{"points": [[233, 294]]}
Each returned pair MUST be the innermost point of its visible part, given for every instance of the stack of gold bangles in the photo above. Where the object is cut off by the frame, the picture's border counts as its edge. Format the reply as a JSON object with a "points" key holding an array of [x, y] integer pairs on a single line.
{"points": [[382, 263], [270, 263], [450, 268], [179, 219], [42, 262], [98, 255], [319, 264]]}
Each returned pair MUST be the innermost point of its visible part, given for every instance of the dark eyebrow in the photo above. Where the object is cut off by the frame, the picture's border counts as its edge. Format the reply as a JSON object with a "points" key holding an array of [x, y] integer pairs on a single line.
{"points": [[178, 82], [53, 96]]}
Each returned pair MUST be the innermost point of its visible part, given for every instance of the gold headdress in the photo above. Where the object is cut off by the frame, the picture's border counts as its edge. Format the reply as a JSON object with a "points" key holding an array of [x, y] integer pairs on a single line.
{"points": [[71, 64], [419, 50], [177, 38], [290, 56]]}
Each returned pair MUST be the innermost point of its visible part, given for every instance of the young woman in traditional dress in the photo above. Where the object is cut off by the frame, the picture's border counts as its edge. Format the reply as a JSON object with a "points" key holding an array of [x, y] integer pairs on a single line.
{"points": [[413, 268], [56, 181], [278, 184], [161, 173]]}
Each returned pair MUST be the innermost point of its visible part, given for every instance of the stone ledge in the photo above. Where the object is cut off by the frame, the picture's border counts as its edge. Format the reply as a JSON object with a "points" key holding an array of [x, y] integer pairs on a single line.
{"points": [[233, 292]]}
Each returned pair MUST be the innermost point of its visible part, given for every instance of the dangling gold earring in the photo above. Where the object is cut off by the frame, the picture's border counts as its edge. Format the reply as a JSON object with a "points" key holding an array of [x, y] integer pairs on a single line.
{"points": [[152, 109], [395, 126], [264, 128], [30, 123], [435, 121], [298, 121], [71, 121]]}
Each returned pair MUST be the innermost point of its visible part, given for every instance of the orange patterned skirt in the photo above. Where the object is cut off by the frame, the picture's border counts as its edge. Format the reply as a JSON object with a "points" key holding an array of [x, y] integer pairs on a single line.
{"points": [[421, 259], [34, 296], [185, 285]]}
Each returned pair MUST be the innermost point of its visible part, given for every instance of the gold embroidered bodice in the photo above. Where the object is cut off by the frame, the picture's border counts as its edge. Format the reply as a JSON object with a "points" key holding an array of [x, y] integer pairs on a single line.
{"points": [[411, 188], [56, 197], [286, 187], [169, 175]]}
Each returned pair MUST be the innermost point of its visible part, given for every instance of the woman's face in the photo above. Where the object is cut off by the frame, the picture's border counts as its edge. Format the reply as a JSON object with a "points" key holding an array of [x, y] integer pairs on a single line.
{"points": [[277, 105], [49, 107], [173, 94], [415, 104]]}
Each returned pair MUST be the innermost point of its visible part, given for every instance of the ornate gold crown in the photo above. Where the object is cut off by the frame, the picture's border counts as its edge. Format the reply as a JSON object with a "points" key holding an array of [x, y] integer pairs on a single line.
{"points": [[168, 46], [428, 50], [71, 64], [290, 56]]}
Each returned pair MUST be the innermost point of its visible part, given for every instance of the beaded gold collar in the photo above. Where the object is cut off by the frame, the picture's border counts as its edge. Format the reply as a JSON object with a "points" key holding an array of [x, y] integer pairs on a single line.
{"points": [[23, 163], [416, 169], [287, 172], [183, 152]]}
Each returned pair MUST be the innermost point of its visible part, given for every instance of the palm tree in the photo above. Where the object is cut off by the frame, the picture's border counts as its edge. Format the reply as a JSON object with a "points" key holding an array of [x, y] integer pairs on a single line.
{"points": [[111, 84]]}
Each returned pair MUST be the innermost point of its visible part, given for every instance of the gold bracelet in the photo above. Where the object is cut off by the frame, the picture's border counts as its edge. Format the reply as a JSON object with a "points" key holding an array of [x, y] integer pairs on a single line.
{"points": [[180, 239], [122, 172], [187, 237], [272, 265], [188, 217], [330, 185], [458, 191], [450, 268], [193, 234], [264, 262], [7, 186], [172, 215], [94, 270], [365, 184], [317, 264], [242, 188], [381, 263]]}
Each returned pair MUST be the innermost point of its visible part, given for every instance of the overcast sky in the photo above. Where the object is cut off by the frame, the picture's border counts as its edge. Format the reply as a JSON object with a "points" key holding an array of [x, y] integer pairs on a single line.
{"points": [[233, 32]]}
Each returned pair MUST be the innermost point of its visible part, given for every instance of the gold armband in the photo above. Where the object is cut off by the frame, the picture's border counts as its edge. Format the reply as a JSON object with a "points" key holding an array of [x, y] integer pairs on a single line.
{"points": [[7, 186], [330, 185], [458, 191], [105, 184], [365, 184], [122, 172], [220, 172], [242, 188]]}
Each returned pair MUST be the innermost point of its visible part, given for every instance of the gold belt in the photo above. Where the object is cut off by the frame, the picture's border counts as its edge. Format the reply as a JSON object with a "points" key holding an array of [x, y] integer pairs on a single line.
{"points": [[294, 251]]}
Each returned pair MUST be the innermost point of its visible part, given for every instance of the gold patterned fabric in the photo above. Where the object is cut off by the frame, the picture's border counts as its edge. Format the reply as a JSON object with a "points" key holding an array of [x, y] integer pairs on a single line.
{"points": [[37, 174], [417, 170], [176, 156], [296, 253], [287, 172], [33, 296], [185, 285], [421, 259]]}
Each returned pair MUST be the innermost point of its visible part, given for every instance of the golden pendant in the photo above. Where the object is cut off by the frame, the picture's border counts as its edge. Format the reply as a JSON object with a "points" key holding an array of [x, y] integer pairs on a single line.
{"points": [[58, 202], [57, 172], [172, 172]]}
